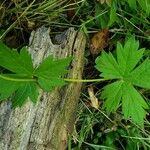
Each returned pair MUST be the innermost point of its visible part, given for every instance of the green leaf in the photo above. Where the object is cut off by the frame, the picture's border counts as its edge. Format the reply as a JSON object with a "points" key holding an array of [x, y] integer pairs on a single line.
{"points": [[128, 56], [125, 68], [141, 75], [15, 62], [23, 83], [113, 17], [132, 3], [109, 67], [102, 20], [33, 92], [24, 87], [133, 104], [28, 90], [50, 71], [26, 61], [7, 88], [145, 5], [112, 98], [51, 83]]}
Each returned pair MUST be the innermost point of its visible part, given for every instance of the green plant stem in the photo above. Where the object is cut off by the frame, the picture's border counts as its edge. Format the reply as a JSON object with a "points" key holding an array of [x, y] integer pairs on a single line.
{"points": [[16, 79], [84, 80], [34, 80]]}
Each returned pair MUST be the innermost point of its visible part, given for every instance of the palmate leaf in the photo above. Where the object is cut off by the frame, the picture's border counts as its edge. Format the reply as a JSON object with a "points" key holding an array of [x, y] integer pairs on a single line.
{"points": [[19, 87], [112, 98], [23, 83], [109, 67], [48, 84], [125, 69], [20, 83], [28, 90], [141, 75], [133, 104], [128, 56], [7, 88], [50, 71], [15, 62]]}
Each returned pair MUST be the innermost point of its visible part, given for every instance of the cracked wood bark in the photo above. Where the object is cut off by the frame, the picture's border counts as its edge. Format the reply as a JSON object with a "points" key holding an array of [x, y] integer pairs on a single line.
{"points": [[45, 126]]}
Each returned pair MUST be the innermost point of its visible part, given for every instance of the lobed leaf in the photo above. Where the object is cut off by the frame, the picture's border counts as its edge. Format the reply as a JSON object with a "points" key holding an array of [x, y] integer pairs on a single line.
{"points": [[15, 62], [7, 88], [128, 56], [50, 71], [109, 67], [141, 75], [125, 69], [48, 84], [133, 104], [28, 90], [11, 83], [112, 98], [48, 75]]}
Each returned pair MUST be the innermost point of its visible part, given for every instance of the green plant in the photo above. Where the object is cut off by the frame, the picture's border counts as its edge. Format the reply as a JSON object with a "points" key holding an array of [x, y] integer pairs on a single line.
{"points": [[24, 79], [128, 74], [94, 129], [145, 5], [124, 69], [119, 9], [29, 14], [120, 17]]}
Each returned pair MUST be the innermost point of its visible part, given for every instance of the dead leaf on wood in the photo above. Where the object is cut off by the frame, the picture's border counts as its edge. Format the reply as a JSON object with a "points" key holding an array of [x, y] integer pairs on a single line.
{"points": [[93, 99], [99, 41]]}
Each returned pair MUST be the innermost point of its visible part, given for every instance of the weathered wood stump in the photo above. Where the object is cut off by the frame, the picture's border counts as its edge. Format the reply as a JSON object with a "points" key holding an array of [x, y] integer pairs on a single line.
{"points": [[45, 126]]}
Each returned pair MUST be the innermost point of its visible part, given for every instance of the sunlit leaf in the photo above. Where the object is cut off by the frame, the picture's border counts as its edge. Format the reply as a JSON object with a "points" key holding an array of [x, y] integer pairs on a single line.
{"points": [[125, 68]]}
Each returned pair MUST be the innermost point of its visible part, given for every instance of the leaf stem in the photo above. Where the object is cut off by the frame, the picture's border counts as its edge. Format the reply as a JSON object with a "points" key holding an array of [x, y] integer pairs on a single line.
{"points": [[16, 79], [84, 80], [34, 80]]}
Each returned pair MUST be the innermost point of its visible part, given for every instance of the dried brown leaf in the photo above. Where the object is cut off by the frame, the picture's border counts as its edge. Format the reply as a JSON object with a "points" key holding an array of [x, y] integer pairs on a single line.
{"points": [[99, 41], [93, 99]]}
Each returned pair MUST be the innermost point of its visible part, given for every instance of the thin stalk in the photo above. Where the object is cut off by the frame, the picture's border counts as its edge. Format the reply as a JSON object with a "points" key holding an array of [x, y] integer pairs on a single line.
{"points": [[84, 80], [16, 79], [130, 23], [93, 18]]}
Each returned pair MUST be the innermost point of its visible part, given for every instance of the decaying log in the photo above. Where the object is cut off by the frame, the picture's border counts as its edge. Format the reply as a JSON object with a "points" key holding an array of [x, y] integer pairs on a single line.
{"points": [[45, 126]]}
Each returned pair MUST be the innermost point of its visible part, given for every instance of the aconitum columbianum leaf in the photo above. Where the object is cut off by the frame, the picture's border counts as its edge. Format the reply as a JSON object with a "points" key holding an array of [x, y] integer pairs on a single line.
{"points": [[129, 73]]}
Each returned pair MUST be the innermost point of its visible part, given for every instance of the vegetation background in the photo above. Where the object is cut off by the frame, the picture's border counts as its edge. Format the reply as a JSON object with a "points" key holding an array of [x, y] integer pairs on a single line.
{"points": [[104, 22]]}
